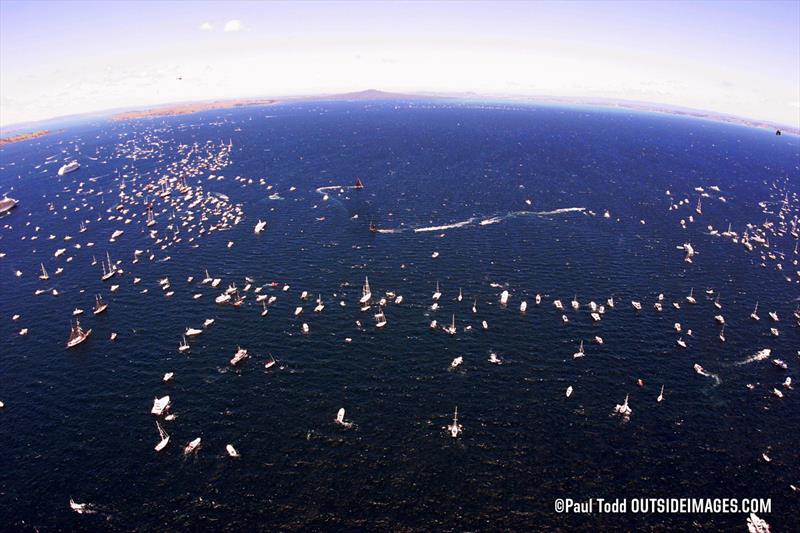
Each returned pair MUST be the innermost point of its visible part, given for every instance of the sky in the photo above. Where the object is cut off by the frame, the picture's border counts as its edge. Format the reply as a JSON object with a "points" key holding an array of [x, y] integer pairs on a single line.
{"points": [[61, 58]]}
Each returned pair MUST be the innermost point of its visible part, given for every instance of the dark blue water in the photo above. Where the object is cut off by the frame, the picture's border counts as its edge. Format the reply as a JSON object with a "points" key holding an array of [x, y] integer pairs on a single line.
{"points": [[76, 423]]}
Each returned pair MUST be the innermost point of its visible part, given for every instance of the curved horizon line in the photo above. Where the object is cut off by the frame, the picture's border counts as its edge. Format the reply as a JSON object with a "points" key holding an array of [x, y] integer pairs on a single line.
{"points": [[377, 95]]}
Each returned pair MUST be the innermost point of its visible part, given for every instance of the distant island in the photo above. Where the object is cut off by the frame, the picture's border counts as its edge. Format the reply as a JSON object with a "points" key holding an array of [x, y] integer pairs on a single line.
{"points": [[190, 107], [22, 137]]}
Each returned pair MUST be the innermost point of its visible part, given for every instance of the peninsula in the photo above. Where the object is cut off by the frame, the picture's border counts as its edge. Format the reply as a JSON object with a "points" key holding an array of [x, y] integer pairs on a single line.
{"points": [[22, 137], [189, 108]]}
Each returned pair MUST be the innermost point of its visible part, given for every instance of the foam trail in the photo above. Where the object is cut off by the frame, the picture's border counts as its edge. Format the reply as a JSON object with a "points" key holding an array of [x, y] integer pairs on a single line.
{"points": [[758, 356], [715, 377], [446, 226]]}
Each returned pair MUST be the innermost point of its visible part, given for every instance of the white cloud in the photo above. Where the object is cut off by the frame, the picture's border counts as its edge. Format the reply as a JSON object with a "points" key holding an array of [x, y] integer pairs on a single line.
{"points": [[206, 26], [233, 25]]}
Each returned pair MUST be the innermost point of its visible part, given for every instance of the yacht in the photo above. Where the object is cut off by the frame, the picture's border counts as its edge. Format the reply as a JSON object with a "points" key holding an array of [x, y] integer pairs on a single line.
{"points": [[183, 346], [691, 299], [579, 353], [574, 303], [163, 436], [77, 335], [160, 405], [568, 392], [451, 329], [460, 295], [623, 409], [192, 446], [437, 294], [44, 275], [661, 395], [260, 225], [240, 355], [457, 362], [523, 306], [192, 332], [366, 293], [504, 298], [494, 359], [380, 319], [72, 166], [455, 427], [99, 305], [754, 314], [232, 452]]}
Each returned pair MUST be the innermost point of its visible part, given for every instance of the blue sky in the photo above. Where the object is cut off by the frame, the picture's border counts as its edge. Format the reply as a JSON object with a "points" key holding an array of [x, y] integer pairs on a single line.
{"points": [[62, 57]]}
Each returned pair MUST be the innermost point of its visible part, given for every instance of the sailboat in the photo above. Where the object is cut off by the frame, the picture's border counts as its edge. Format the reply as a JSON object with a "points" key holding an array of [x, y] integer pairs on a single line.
{"points": [[241, 354], [150, 218], [716, 303], [111, 270], [460, 295], [366, 293], [359, 185], [451, 329], [722, 333], [183, 346], [437, 294], [192, 446], [754, 314], [691, 299], [77, 335], [455, 427], [380, 319], [623, 410], [164, 438], [661, 395], [260, 225], [44, 276], [99, 305], [320, 306], [579, 353], [698, 209]]}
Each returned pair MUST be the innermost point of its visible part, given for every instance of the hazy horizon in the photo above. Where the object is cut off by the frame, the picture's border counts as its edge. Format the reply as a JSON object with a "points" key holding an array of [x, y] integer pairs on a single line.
{"points": [[70, 58]]}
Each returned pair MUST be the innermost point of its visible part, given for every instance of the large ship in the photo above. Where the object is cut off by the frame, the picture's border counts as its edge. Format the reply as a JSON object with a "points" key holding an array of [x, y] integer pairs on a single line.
{"points": [[7, 204], [72, 166], [77, 335]]}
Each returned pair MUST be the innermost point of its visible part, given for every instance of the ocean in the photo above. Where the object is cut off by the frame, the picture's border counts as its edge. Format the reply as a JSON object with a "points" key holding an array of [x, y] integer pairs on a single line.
{"points": [[506, 197]]}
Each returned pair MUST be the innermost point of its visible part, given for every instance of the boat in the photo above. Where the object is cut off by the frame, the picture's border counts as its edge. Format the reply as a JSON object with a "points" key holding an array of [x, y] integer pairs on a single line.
{"points": [[691, 299], [699, 369], [754, 523], [208, 322], [698, 209], [44, 276], [183, 346], [7, 204], [232, 452], [192, 332], [151, 221], [623, 409], [455, 428], [320, 306], [636, 305], [494, 359], [373, 228], [722, 333], [80, 508], [457, 362], [77, 335], [579, 353], [260, 225], [661, 395], [99, 305], [168, 377], [192, 446], [270, 363], [773, 315], [240, 355], [222, 298], [437, 294], [72, 166], [163, 436], [451, 329], [460, 295], [366, 293], [160, 405], [358, 184], [716, 302], [380, 320], [574, 303], [754, 314], [504, 298], [568, 392]]}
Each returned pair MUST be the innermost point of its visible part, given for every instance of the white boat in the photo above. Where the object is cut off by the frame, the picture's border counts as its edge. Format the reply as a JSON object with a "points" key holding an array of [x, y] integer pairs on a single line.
{"points": [[233, 452], [538, 298], [208, 322], [569, 391], [557, 304], [575, 304], [270, 363], [636, 305], [455, 428], [754, 314], [80, 508], [460, 295], [623, 409], [523, 306], [380, 320], [504, 298], [579, 353], [457, 362], [183, 346], [451, 329], [699, 369], [437, 294], [756, 524], [168, 377], [305, 328], [163, 436], [44, 275], [160, 405], [77, 335], [240, 355], [72, 166], [99, 305], [494, 359], [264, 311], [340, 419], [192, 446], [773, 315], [680, 342], [77, 312], [192, 332], [661, 395], [222, 299], [366, 293], [691, 299], [260, 225]]}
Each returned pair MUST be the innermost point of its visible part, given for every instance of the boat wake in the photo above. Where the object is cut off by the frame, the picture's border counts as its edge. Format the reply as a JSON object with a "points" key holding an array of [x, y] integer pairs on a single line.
{"points": [[758, 356], [711, 375]]}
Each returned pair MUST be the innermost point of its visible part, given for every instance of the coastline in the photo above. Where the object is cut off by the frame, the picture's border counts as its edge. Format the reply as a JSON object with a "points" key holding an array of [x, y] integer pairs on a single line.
{"points": [[189, 108], [23, 137]]}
